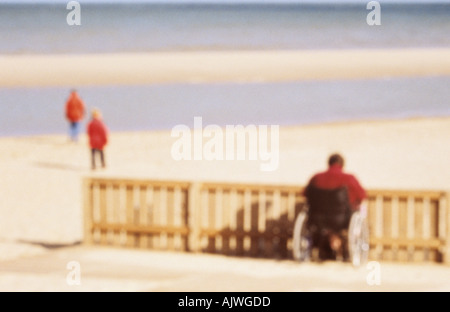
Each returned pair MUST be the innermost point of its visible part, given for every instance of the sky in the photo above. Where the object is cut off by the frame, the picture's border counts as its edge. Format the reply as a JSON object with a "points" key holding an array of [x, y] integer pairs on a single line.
{"points": [[226, 1]]}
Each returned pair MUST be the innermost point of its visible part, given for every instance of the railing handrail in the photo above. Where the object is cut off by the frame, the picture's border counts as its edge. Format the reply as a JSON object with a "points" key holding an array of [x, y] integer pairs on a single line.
{"points": [[138, 181], [401, 193]]}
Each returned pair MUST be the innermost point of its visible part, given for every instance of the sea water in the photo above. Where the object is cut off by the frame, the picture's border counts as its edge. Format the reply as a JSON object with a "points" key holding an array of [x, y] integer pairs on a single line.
{"points": [[145, 27]]}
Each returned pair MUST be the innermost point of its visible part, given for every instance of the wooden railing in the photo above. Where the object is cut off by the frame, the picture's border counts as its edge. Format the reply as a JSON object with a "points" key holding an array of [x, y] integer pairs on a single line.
{"points": [[146, 214], [252, 220], [409, 226], [249, 220]]}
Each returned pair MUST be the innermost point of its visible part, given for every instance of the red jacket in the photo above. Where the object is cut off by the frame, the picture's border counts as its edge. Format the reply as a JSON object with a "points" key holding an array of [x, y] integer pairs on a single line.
{"points": [[75, 108], [335, 178], [98, 134]]}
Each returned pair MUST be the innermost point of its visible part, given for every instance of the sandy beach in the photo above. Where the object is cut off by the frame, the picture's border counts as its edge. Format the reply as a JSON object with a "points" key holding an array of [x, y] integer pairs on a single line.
{"points": [[40, 188], [42, 175], [41, 204], [219, 66]]}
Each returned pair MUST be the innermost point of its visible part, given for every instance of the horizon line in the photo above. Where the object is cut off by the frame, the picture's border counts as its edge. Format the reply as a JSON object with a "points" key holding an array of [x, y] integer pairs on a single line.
{"points": [[221, 2]]}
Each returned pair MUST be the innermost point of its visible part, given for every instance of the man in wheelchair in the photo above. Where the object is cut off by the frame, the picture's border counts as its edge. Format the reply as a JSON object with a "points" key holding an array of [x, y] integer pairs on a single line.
{"points": [[332, 197]]}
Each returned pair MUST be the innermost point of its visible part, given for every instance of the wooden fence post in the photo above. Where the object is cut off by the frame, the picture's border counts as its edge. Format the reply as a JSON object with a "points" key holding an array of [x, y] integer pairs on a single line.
{"points": [[194, 217], [87, 210]]}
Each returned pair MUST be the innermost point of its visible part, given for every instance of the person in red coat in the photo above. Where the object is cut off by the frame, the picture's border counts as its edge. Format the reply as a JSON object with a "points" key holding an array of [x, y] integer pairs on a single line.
{"points": [[75, 111], [98, 137]]}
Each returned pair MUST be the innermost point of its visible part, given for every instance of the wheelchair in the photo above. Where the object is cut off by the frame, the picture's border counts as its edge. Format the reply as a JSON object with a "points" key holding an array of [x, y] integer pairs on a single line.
{"points": [[328, 213]]}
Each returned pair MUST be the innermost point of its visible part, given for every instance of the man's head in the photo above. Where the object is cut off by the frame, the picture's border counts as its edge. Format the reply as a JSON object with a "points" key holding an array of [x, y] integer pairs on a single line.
{"points": [[336, 159]]}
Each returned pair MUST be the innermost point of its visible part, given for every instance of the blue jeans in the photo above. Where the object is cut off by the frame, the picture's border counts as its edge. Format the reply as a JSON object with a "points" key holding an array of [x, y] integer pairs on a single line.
{"points": [[74, 130]]}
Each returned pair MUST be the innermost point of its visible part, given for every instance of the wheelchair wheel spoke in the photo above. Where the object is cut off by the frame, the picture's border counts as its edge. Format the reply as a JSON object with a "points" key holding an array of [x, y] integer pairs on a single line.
{"points": [[301, 241], [358, 240]]}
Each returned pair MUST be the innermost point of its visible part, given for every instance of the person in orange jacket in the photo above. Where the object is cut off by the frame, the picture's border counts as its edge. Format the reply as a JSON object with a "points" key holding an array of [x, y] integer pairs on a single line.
{"points": [[98, 137], [75, 111]]}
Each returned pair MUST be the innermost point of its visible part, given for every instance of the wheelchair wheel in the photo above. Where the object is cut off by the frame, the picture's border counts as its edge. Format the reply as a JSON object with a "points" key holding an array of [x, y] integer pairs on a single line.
{"points": [[301, 242], [358, 239]]}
